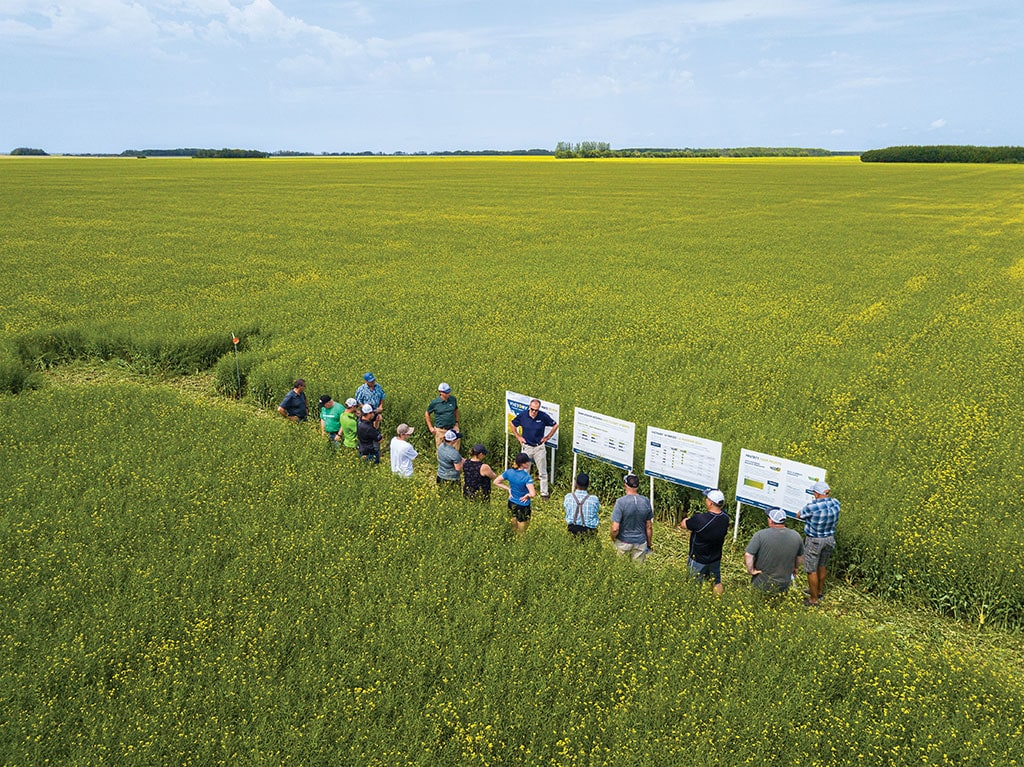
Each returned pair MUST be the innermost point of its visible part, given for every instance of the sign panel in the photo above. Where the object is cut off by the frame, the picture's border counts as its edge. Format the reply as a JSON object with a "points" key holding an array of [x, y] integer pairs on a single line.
{"points": [[517, 403], [603, 437], [682, 458], [767, 481]]}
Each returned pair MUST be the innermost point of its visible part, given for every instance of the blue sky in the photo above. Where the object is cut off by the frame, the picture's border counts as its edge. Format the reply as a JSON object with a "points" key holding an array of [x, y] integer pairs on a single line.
{"points": [[312, 75]]}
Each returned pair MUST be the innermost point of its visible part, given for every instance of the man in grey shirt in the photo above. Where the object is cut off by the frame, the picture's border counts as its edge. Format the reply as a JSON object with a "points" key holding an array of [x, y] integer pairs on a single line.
{"points": [[774, 555]]}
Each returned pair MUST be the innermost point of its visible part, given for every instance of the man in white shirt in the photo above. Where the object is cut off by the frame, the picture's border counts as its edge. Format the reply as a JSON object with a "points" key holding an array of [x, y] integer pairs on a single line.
{"points": [[402, 453]]}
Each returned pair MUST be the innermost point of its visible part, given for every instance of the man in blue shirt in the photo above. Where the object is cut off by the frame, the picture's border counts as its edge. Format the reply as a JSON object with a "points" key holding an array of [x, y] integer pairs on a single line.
{"points": [[582, 510], [820, 517], [293, 406], [530, 427], [371, 393], [519, 484]]}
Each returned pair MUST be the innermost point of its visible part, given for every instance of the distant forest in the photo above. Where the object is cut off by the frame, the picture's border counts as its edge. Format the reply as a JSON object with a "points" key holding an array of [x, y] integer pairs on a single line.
{"points": [[975, 154], [568, 150]]}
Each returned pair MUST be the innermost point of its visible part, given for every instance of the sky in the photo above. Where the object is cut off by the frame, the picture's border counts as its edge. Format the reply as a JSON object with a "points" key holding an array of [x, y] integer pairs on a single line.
{"points": [[102, 76]]}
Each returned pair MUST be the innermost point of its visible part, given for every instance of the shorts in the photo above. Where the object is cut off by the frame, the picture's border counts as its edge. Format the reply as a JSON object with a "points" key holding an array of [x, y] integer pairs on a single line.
{"points": [[762, 582], [706, 572], [582, 530], [638, 551], [521, 513], [817, 552]]}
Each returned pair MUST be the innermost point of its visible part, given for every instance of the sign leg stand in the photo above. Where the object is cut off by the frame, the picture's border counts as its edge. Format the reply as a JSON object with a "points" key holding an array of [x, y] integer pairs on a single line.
{"points": [[736, 527]]}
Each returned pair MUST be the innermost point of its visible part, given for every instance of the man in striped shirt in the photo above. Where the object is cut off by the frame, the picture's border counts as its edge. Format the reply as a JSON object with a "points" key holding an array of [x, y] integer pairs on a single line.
{"points": [[820, 517]]}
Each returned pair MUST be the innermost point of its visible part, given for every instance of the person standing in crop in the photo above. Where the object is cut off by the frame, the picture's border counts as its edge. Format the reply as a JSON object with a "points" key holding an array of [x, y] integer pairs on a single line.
{"points": [[368, 435], [707, 534], [632, 521], [582, 510], [449, 462], [294, 406], [330, 418], [477, 475], [519, 484], [445, 411], [371, 393], [402, 453], [530, 426], [349, 420], [820, 517], [774, 555]]}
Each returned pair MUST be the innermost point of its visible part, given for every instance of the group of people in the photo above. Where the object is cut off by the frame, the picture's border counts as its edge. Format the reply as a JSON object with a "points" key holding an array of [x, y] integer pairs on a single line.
{"points": [[773, 558]]}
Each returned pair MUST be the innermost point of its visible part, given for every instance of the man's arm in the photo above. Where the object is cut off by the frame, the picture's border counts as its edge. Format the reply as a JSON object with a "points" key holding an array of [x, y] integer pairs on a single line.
{"points": [[649, 531], [748, 558], [550, 434], [430, 426], [615, 530], [798, 564], [456, 419]]}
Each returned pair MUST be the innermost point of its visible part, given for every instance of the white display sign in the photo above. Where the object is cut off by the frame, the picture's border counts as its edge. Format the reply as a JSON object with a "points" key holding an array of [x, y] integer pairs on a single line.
{"points": [[603, 437], [682, 458], [769, 482], [518, 403]]}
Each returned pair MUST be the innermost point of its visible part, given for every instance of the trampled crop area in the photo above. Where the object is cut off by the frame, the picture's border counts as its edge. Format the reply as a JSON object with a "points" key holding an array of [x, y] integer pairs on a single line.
{"points": [[164, 561]]}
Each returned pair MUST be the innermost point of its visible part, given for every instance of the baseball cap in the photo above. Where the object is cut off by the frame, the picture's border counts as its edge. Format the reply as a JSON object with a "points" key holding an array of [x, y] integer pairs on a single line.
{"points": [[367, 408], [451, 435], [444, 387], [324, 399], [778, 516], [351, 402], [582, 480], [369, 377], [479, 449], [820, 487], [404, 430], [632, 480], [717, 497]]}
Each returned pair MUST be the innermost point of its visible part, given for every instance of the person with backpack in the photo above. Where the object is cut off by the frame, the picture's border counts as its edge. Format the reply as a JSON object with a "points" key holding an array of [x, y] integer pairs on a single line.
{"points": [[708, 530]]}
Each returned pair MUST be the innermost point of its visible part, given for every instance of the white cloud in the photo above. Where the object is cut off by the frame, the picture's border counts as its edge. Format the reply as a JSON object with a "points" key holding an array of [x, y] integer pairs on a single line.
{"points": [[936, 124]]}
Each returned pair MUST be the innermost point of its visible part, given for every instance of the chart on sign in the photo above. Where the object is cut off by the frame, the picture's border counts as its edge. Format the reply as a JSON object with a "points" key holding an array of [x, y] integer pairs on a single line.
{"points": [[682, 458], [603, 437], [768, 481]]}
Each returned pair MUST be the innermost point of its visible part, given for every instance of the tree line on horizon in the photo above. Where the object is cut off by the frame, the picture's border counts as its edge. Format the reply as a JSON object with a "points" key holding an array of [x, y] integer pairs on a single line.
{"points": [[946, 153]]}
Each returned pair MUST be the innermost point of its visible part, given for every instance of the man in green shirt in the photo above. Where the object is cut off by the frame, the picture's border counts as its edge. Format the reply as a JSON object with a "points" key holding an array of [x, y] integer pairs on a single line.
{"points": [[349, 422], [445, 411], [330, 415]]}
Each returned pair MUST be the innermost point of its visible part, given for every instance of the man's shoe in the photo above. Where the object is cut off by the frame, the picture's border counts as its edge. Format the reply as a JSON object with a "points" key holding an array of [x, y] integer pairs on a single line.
{"points": [[546, 497]]}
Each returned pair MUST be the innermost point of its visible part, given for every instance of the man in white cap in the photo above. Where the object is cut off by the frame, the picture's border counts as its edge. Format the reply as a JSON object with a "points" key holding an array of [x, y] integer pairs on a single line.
{"points": [[350, 423], [368, 435], [707, 534], [774, 554], [820, 517], [402, 453], [449, 462], [445, 411]]}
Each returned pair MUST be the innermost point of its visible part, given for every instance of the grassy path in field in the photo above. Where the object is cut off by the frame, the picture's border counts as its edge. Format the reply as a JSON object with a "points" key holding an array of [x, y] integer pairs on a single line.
{"points": [[917, 629]]}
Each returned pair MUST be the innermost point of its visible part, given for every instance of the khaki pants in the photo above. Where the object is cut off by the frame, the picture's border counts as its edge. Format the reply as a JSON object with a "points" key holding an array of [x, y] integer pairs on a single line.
{"points": [[539, 455], [439, 438]]}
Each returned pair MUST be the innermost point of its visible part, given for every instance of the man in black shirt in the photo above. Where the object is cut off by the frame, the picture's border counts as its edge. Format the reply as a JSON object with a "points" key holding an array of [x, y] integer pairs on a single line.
{"points": [[707, 534]]}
